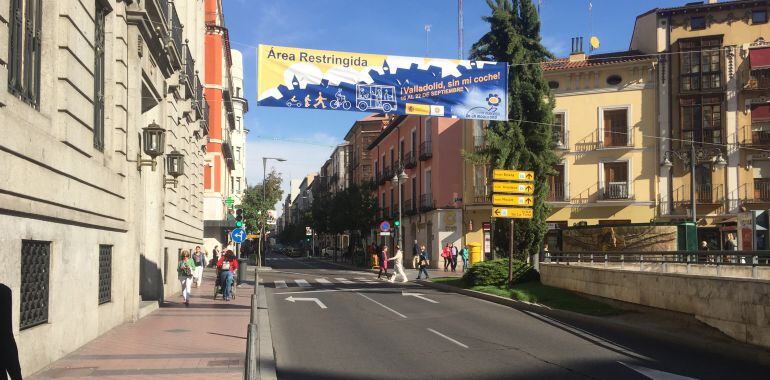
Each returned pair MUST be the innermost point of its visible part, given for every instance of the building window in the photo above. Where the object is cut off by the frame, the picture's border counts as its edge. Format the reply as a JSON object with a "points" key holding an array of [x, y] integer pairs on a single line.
{"points": [[238, 154], [759, 16], [556, 182], [553, 84], [700, 64], [238, 123], [614, 80], [35, 268], [697, 22], [615, 180], [703, 184], [105, 274], [414, 141], [401, 151], [480, 188], [99, 88], [25, 33], [427, 135], [615, 124], [701, 119], [559, 135]]}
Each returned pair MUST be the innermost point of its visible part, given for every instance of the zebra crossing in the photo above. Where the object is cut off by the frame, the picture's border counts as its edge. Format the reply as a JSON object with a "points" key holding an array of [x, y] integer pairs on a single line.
{"points": [[321, 281]]}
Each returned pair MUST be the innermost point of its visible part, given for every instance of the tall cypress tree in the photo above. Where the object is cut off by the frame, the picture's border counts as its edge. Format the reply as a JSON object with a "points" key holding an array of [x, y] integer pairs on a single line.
{"points": [[524, 141]]}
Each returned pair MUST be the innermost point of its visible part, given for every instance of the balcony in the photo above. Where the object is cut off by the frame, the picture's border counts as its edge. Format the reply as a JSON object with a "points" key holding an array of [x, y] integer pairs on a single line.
{"points": [[556, 191], [386, 175], [620, 137], [409, 160], [756, 80], [615, 191], [709, 136], [409, 207], [191, 80], [427, 202], [755, 134], [761, 190], [426, 151], [479, 143], [560, 139], [175, 34], [704, 193]]}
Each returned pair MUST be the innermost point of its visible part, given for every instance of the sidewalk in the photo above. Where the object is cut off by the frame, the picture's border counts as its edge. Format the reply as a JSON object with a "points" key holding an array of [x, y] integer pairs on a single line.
{"points": [[203, 341]]}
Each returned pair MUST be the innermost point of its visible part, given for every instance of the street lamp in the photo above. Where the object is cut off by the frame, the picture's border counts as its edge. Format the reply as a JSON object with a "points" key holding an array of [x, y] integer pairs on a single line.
{"points": [[153, 145], [398, 179], [692, 157], [174, 167], [264, 195]]}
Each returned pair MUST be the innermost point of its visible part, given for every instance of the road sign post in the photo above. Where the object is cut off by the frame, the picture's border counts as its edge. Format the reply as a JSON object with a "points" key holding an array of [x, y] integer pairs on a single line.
{"points": [[504, 195]]}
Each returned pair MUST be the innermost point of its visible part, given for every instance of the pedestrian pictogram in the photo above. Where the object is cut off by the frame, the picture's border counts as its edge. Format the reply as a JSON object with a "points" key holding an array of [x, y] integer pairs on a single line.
{"points": [[512, 213], [513, 187]]}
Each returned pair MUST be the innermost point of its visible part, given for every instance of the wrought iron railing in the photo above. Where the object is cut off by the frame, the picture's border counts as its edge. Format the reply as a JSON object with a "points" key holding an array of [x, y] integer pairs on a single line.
{"points": [[618, 137], [191, 80], [704, 193], [726, 258], [176, 31], [556, 191], [560, 138], [709, 136], [34, 289], [426, 202], [409, 160], [426, 150], [615, 190], [761, 190], [105, 273], [756, 79]]}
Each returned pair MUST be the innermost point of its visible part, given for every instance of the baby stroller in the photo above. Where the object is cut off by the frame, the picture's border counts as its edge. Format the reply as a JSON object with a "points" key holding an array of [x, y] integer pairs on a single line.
{"points": [[219, 287]]}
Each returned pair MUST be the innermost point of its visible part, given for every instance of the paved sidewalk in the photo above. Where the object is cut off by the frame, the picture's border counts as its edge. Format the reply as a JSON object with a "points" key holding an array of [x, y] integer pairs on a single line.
{"points": [[206, 340]]}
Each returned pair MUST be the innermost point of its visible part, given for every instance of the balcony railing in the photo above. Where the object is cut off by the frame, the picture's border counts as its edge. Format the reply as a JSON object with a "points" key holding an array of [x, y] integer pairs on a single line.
{"points": [[710, 136], [560, 139], [409, 160], [479, 143], [755, 134], [617, 138], [191, 80], [615, 190], [409, 207], [556, 191], [704, 193], [756, 80], [761, 190], [427, 203], [176, 33], [426, 150], [481, 196], [386, 175]]}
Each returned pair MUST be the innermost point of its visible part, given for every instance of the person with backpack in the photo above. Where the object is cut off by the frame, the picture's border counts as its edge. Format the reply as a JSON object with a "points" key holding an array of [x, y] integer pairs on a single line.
{"points": [[423, 263], [185, 271], [383, 263]]}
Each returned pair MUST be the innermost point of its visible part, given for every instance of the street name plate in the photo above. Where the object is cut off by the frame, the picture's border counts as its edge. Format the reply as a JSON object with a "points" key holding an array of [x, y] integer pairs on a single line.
{"points": [[385, 233], [512, 200], [513, 175], [513, 213], [513, 187]]}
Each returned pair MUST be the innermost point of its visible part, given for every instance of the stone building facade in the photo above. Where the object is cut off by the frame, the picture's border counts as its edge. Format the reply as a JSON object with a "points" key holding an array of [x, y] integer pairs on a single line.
{"points": [[89, 238]]}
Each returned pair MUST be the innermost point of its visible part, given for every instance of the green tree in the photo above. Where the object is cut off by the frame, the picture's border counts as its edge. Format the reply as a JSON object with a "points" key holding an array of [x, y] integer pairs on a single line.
{"points": [[259, 199], [523, 142]]}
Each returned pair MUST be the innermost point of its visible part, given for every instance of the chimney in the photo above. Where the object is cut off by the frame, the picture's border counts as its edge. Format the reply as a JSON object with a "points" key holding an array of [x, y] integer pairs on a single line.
{"points": [[577, 54]]}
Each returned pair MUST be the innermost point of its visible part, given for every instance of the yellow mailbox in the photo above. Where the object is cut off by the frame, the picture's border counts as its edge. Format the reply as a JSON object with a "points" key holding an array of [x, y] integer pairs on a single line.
{"points": [[475, 252]]}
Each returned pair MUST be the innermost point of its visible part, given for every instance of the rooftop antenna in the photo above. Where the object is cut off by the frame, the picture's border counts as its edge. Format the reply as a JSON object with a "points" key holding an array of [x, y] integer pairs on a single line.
{"points": [[427, 33], [460, 29]]}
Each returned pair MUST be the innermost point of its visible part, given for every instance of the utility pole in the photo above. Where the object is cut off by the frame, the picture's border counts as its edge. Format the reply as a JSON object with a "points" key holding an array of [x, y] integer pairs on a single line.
{"points": [[460, 29], [427, 33], [511, 253]]}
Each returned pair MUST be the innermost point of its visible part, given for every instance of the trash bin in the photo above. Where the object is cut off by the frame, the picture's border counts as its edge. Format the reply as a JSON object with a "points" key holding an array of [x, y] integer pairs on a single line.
{"points": [[475, 253]]}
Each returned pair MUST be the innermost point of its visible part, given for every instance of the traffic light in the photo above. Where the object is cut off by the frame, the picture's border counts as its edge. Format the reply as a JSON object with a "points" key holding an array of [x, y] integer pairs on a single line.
{"points": [[397, 223], [239, 217]]}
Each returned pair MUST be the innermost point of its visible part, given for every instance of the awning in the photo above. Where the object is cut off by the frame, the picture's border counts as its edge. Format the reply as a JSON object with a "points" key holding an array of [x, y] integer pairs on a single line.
{"points": [[759, 58], [760, 112]]}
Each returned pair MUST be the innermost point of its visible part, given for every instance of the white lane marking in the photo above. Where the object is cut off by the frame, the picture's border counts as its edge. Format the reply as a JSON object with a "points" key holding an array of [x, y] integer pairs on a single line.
{"points": [[323, 281], [448, 338], [366, 280], [370, 299], [303, 283], [281, 284], [316, 300], [418, 295], [333, 290], [343, 280], [654, 374]]}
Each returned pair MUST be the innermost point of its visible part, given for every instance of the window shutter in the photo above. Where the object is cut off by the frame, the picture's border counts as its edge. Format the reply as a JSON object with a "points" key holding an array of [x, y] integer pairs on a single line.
{"points": [[37, 46], [15, 47], [29, 37]]}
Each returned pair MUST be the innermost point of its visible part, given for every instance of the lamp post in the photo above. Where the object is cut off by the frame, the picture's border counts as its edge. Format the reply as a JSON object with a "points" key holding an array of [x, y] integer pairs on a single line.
{"points": [[398, 179], [691, 158], [251, 369]]}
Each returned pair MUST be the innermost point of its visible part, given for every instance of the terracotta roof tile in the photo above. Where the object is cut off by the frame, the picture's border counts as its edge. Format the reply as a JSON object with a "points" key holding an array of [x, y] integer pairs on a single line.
{"points": [[595, 60]]}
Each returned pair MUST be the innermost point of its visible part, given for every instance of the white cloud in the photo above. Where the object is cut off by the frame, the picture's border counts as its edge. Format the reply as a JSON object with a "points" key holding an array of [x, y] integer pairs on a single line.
{"points": [[302, 157]]}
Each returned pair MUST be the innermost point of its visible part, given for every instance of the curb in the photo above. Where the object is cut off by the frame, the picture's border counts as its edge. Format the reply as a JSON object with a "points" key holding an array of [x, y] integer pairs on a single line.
{"points": [[266, 352], [735, 350]]}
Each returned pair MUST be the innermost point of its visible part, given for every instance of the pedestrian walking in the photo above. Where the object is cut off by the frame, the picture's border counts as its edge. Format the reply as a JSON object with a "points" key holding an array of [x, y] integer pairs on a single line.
{"points": [[9, 353], [185, 271], [200, 262], [415, 254], [424, 263], [398, 260], [383, 263], [464, 256], [730, 245], [453, 252], [215, 256], [227, 265], [447, 256]]}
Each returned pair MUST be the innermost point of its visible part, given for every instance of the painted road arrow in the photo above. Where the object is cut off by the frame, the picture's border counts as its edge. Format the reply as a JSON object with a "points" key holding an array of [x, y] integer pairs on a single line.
{"points": [[418, 295], [316, 300]]}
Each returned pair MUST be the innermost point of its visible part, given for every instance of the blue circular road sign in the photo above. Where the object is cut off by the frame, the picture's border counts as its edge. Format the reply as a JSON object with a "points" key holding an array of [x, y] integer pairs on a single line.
{"points": [[238, 235], [384, 226]]}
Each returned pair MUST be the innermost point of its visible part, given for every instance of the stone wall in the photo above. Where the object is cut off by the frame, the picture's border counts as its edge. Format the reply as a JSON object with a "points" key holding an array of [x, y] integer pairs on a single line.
{"points": [[620, 238], [738, 307]]}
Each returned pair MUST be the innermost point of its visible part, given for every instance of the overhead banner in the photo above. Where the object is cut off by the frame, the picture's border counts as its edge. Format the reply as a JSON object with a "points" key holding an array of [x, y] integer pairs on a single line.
{"points": [[332, 80]]}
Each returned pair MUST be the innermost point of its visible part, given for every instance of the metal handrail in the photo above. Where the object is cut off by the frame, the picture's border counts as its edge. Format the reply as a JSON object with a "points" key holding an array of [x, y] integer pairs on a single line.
{"points": [[731, 258]]}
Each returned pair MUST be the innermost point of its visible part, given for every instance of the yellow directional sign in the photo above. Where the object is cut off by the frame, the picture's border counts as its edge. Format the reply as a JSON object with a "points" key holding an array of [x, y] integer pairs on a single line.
{"points": [[513, 187], [512, 200], [252, 236], [515, 213], [513, 175]]}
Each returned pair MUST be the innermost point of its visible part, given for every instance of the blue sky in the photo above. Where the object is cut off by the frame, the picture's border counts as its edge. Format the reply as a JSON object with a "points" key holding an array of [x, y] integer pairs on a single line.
{"points": [[306, 137]]}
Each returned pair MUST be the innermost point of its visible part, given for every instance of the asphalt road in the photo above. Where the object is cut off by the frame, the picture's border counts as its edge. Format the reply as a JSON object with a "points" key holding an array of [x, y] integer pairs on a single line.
{"points": [[328, 322]]}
